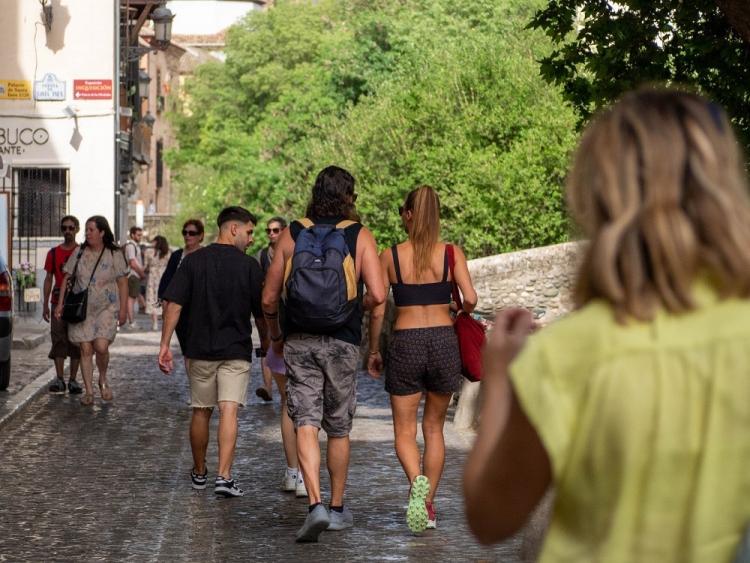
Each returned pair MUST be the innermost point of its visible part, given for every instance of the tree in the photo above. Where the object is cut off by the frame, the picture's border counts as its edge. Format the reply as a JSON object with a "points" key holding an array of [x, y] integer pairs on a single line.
{"points": [[605, 48], [401, 93]]}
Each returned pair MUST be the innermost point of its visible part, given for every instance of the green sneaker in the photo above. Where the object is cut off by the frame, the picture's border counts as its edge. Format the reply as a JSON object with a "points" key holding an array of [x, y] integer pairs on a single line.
{"points": [[416, 514]]}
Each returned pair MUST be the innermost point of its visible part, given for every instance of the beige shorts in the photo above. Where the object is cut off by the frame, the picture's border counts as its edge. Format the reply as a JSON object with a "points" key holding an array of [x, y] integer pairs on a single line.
{"points": [[220, 380]]}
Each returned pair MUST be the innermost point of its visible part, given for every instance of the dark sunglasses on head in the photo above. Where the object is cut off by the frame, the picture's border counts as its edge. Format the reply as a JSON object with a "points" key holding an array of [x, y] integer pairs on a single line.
{"points": [[186, 233], [275, 230], [68, 228]]}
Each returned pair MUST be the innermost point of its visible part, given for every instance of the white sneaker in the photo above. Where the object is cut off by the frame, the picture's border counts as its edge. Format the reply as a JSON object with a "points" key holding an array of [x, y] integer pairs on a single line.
{"points": [[289, 482], [300, 490]]}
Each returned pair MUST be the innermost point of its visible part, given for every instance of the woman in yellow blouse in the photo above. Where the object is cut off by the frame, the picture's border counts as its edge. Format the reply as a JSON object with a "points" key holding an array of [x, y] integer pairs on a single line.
{"points": [[636, 407]]}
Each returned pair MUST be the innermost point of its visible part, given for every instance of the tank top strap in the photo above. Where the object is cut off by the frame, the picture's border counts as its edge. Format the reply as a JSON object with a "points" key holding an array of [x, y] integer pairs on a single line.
{"points": [[445, 264], [394, 252]]}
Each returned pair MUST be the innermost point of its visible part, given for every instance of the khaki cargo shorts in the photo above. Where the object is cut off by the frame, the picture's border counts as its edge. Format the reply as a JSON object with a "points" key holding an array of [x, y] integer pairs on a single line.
{"points": [[134, 287], [321, 382], [212, 381]]}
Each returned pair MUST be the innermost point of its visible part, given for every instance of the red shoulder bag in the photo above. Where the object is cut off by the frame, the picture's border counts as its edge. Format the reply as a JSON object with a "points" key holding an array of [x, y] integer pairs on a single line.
{"points": [[470, 332]]}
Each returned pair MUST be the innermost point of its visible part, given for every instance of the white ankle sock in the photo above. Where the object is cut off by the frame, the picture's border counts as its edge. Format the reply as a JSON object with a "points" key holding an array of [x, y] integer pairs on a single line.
{"points": [[291, 472]]}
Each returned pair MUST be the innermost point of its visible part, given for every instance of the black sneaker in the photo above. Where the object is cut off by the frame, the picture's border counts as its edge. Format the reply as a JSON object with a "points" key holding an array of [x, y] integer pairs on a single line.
{"points": [[199, 481], [227, 488], [57, 387], [74, 388]]}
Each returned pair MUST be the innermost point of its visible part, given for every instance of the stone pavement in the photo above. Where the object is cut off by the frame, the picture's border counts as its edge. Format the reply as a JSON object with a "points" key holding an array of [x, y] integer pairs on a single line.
{"points": [[111, 482]]}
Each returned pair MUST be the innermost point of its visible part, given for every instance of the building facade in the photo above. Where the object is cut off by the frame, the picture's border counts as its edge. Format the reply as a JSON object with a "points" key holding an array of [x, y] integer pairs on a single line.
{"points": [[57, 118]]}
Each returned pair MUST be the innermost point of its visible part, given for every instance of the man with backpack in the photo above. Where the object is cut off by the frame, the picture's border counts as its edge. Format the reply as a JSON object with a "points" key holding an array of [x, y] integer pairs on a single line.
{"points": [[321, 264], [61, 346], [134, 258]]}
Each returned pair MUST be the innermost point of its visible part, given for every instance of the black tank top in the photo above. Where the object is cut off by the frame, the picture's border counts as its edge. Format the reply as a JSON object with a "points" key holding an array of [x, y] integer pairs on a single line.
{"points": [[406, 294]]}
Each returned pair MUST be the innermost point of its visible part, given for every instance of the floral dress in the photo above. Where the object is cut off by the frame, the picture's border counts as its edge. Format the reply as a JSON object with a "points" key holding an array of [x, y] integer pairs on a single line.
{"points": [[103, 301], [155, 267]]}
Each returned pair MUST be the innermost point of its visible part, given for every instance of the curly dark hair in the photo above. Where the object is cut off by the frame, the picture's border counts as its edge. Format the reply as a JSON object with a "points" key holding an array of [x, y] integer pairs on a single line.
{"points": [[333, 195]]}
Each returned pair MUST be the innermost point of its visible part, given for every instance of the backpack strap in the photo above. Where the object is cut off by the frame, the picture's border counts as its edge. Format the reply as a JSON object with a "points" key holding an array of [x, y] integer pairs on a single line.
{"points": [[394, 253], [306, 222], [346, 223]]}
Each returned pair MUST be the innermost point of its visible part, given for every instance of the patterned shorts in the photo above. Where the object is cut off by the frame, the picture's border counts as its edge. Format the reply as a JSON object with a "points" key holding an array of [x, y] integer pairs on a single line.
{"points": [[423, 359]]}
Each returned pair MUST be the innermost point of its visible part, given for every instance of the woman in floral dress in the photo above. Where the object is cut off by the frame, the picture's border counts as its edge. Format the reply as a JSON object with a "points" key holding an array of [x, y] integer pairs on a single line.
{"points": [[156, 263], [102, 262]]}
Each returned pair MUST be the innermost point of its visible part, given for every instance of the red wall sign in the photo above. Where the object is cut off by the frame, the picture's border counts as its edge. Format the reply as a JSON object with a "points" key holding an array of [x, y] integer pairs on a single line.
{"points": [[92, 89]]}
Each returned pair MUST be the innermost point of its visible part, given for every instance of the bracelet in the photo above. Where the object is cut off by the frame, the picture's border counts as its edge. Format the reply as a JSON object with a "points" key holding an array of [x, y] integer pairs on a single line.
{"points": [[276, 338], [375, 352]]}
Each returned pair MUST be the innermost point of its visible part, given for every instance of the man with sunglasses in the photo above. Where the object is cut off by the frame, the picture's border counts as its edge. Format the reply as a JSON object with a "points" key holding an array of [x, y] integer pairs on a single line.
{"points": [[274, 226], [61, 347]]}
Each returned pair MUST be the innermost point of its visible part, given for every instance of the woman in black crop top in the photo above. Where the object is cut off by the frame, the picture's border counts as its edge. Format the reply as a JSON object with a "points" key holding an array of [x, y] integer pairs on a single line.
{"points": [[423, 356]]}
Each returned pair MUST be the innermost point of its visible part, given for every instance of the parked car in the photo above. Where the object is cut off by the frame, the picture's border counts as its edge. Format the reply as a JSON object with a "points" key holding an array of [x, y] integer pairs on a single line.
{"points": [[6, 323]]}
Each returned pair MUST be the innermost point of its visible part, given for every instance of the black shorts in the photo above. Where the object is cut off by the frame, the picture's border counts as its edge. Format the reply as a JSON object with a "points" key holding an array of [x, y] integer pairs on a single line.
{"points": [[423, 359]]}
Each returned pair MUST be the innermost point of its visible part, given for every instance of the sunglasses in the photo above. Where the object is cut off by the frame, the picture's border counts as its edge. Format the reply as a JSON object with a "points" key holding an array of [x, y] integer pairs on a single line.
{"points": [[65, 228], [275, 230], [186, 233]]}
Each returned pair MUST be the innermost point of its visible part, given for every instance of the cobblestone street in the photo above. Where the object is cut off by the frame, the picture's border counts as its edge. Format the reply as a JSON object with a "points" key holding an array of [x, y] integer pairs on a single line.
{"points": [[111, 483]]}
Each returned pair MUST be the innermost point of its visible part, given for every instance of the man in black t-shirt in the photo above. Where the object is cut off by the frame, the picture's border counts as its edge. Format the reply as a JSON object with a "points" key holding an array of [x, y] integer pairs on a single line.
{"points": [[322, 365], [222, 287]]}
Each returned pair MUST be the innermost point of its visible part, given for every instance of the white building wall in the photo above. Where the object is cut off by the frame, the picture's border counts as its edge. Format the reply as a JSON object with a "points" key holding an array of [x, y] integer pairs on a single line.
{"points": [[80, 46]]}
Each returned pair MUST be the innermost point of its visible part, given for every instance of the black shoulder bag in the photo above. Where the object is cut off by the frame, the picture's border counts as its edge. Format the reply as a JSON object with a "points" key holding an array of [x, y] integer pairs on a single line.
{"points": [[74, 305]]}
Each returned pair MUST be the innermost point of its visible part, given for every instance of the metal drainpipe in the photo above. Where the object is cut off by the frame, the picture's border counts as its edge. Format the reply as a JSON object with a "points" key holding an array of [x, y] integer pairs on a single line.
{"points": [[117, 202]]}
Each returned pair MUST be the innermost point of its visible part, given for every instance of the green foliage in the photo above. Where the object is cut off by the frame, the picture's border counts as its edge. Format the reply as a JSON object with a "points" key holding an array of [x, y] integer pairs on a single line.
{"points": [[400, 93], [606, 48]]}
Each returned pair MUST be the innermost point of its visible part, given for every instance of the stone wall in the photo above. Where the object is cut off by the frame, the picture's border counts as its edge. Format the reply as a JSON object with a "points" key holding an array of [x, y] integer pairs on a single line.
{"points": [[540, 279]]}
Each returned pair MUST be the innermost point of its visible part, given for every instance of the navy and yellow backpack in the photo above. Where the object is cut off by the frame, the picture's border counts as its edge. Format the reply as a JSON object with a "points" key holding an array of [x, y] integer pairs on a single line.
{"points": [[320, 280]]}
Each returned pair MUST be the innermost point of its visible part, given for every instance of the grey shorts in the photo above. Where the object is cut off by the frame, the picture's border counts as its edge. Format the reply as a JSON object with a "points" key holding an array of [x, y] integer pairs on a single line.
{"points": [[322, 382]]}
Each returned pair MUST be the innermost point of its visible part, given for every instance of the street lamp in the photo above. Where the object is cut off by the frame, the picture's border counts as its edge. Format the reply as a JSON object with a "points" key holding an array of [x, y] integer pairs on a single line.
{"points": [[149, 120], [162, 18], [143, 81]]}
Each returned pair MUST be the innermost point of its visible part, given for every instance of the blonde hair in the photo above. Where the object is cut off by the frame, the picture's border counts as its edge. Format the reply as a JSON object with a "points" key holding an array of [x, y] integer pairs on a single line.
{"points": [[424, 230], [659, 188]]}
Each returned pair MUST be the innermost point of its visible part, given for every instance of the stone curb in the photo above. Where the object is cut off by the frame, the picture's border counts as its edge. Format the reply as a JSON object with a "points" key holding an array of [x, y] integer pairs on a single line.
{"points": [[28, 342], [21, 399]]}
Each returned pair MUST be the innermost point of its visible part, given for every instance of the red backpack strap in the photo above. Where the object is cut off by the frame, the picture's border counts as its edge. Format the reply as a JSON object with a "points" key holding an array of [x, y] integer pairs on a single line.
{"points": [[454, 285]]}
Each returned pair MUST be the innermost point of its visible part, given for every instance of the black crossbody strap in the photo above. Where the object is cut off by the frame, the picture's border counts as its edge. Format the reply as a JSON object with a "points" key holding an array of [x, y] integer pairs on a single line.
{"points": [[71, 281], [95, 266]]}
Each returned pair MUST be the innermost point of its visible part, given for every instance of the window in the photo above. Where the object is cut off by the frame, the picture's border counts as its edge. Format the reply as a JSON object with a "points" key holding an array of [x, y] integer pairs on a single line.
{"points": [[42, 201], [159, 164]]}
